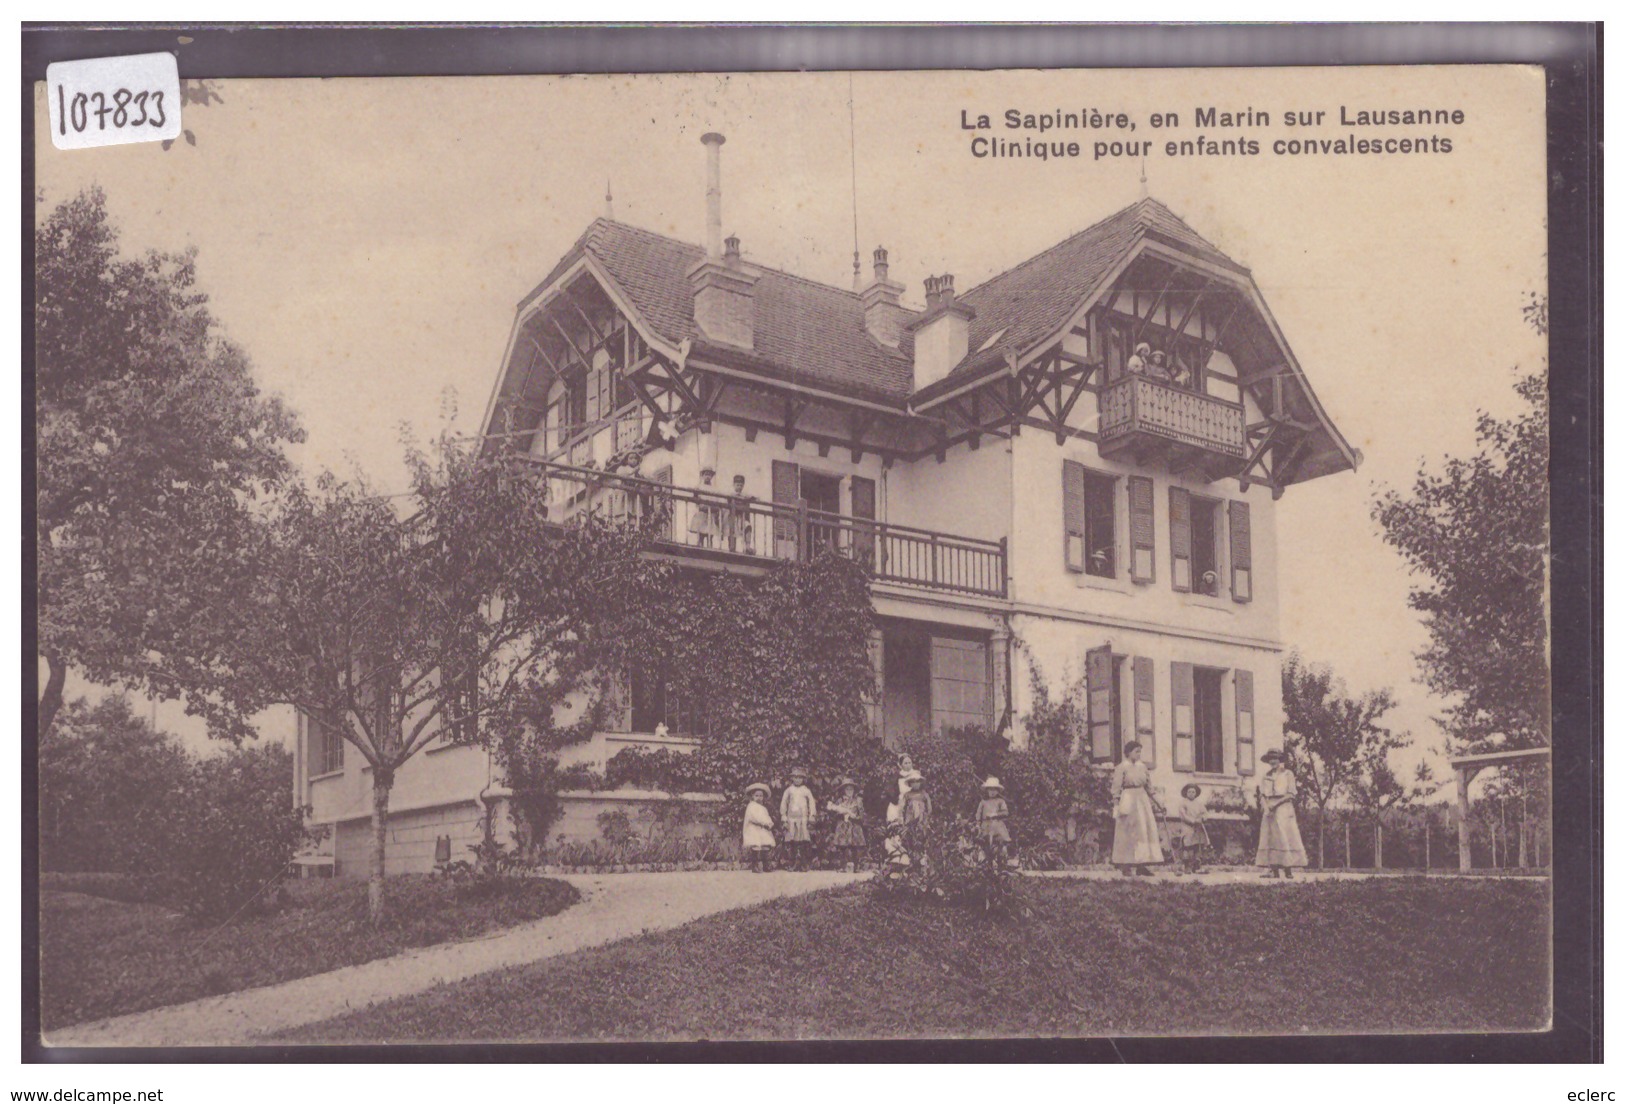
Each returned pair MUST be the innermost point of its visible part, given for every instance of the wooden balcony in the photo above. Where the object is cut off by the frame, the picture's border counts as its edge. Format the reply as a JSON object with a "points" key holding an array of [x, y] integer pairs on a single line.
{"points": [[706, 525], [1142, 417]]}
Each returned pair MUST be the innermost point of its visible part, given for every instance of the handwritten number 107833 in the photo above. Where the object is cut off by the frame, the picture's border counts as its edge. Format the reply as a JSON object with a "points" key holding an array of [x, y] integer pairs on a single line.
{"points": [[123, 109]]}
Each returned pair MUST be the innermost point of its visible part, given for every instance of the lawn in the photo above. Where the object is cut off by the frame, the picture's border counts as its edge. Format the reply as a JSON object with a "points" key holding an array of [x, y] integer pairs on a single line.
{"points": [[110, 954], [1093, 958]]}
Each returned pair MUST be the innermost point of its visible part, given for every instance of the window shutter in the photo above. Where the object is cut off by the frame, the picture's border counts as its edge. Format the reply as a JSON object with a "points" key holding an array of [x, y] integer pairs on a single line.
{"points": [[1183, 677], [1098, 667], [863, 506], [1142, 529], [1244, 722], [1145, 707], [1072, 498], [1241, 552], [1179, 536], [786, 502]]}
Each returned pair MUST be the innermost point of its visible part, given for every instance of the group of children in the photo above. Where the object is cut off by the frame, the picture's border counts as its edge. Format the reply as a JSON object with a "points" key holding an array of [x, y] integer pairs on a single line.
{"points": [[798, 808]]}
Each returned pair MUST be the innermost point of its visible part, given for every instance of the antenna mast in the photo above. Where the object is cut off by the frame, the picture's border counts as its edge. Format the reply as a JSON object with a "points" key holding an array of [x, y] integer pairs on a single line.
{"points": [[852, 135]]}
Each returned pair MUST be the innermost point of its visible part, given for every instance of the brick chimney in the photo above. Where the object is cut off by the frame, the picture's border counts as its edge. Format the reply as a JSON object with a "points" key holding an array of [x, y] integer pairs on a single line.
{"points": [[942, 334], [724, 286], [883, 312]]}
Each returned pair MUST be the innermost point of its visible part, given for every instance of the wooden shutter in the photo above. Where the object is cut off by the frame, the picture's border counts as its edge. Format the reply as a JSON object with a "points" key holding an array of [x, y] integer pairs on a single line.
{"points": [[1179, 536], [863, 506], [1102, 722], [1182, 675], [1142, 529], [1244, 722], [786, 502], [1072, 511], [1145, 707], [1241, 552]]}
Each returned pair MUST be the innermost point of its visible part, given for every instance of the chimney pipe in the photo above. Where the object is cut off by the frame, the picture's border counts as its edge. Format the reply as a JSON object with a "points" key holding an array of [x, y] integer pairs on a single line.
{"points": [[713, 193], [882, 269]]}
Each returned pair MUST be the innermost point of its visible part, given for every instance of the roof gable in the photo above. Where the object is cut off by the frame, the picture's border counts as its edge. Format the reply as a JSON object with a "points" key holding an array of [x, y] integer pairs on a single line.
{"points": [[805, 331]]}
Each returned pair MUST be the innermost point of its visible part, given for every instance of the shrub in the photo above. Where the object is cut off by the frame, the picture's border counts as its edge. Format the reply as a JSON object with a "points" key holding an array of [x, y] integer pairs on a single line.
{"points": [[229, 835], [106, 782]]}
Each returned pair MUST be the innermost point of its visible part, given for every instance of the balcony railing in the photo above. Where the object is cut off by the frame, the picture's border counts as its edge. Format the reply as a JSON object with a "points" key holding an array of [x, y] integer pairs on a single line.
{"points": [[752, 529], [1137, 410]]}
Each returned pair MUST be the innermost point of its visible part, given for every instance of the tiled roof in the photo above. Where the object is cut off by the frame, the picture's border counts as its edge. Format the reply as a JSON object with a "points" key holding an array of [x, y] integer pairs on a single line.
{"points": [[805, 332], [1031, 301], [814, 334]]}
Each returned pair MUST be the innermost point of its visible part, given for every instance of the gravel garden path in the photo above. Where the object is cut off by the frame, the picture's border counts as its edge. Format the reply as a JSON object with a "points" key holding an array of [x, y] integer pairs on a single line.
{"points": [[613, 906]]}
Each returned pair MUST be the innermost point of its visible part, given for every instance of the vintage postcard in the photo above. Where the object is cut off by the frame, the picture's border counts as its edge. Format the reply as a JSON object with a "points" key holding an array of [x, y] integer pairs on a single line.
{"points": [[793, 556]]}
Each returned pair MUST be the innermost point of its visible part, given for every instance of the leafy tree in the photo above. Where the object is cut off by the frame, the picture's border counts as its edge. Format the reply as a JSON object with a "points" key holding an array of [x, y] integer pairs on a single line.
{"points": [[105, 779], [1476, 532], [458, 611], [1331, 737], [152, 437], [1379, 790]]}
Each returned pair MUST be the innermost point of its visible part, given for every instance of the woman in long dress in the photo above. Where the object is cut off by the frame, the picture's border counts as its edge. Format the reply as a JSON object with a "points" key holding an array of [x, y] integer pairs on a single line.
{"points": [[1280, 846], [1134, 841]]}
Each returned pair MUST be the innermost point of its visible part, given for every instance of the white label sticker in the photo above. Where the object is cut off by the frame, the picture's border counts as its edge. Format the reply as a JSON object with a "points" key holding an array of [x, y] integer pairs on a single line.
{"points": [[114, 101]]}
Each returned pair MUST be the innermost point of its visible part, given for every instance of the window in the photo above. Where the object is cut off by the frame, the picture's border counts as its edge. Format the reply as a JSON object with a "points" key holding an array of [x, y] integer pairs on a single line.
{"points": [[1089, 514], [655, 702], [961, 684], [1205, 546], [1209, 719], [1100, 525], [326, 748], [461, 726]]}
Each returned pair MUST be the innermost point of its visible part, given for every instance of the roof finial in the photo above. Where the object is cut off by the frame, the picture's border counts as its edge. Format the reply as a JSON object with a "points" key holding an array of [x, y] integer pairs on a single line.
{"points": [[609, 201], [1145, 191]]}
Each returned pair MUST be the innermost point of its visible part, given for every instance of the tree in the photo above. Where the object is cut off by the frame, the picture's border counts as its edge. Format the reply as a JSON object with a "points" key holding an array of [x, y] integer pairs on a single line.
{"points": [[1379, 790], [1476, 532], [105, 777], [1330, 736], [152, 438], [457, 611], [229, 835]]}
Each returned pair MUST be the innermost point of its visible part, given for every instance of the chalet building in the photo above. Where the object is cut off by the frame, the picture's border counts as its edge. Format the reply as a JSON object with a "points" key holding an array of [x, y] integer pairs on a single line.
{"points": [[1025, 486]]}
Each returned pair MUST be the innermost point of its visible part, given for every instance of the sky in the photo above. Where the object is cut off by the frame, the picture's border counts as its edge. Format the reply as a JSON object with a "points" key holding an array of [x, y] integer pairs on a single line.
{"points": [[367, 240]]}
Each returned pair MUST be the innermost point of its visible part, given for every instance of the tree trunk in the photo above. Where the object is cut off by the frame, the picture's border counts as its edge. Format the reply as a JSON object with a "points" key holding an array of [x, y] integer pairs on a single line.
{"points": [[1377, 842], [1427, 842], [382, 780], [1348, 858], [50, 701], [1320, 845]]}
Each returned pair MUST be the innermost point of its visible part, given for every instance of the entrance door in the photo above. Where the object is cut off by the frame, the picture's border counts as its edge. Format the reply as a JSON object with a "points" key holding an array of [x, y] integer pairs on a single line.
{"points": [[822, 493]]}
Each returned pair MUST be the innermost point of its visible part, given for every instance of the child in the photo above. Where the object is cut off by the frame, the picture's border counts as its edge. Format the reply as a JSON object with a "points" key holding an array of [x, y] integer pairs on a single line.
{"points": [[905, 767], [848, 839], [916, 802], [798, 807], [990, 818], [1188, 833], [758, 827]]}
